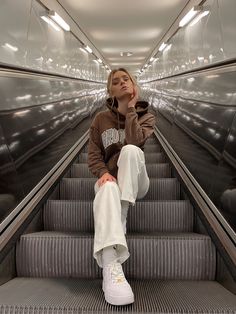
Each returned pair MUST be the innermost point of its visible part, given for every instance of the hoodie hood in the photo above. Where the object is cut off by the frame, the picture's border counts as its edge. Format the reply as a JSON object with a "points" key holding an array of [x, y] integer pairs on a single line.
{"points": [[141, 106]]}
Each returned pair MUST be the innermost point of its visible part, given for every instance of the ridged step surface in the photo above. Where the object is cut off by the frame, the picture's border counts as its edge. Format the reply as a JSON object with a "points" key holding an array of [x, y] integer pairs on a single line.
{"points": [[152, 148], [163, 170], [149, 158], [183, 256], [145, 216], [63, 296], [83, 189]]}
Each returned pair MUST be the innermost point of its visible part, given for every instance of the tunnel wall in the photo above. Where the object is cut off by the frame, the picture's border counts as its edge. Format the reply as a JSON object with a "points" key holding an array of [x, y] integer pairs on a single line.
{"points": [[41, 118], [196, 112], [29, 42]]}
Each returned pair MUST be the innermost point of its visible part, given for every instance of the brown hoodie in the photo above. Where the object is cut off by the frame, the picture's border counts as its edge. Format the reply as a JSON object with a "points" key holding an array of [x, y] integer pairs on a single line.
{"points": [[110, 131]]}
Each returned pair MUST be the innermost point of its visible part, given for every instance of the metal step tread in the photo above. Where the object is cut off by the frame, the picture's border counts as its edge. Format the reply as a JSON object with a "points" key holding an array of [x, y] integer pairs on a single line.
{"points": [[145, 216], [163, 255], [83, 189], [149, 157], [136, 235], [153, 170], [37, 295]]}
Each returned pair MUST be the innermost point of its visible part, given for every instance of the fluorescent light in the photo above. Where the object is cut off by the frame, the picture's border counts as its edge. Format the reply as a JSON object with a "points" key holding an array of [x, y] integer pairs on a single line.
{"points": [[82, 49], [189, 16], [163, 45], [50, 22], [88, 49], [199, 16], [168, 47], [99, 60], [59, 20], [152, 59], [13, 48], [200, 58]]}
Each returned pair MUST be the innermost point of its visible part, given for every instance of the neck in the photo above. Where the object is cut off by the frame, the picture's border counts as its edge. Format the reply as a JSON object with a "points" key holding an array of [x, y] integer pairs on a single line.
{"points": [[123, 105]]}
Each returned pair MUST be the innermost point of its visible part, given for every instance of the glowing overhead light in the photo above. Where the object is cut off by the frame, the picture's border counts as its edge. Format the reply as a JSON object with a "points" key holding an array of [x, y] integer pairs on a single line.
{"points": [[82, 49], [88, 49], [152, 59], [59, 20], [189, 16], [163, 45], [126, 53], [13, 48], [168, 47], [200, 58], [50, 22], [99, 60], [199, 17]]}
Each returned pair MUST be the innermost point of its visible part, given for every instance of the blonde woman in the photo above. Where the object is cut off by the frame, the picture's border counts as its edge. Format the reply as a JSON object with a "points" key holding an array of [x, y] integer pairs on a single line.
{"points": [[115, 156]]}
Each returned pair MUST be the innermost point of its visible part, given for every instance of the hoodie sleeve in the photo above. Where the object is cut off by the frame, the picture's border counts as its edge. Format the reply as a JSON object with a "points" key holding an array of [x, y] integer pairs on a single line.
{"points": [[95, 156], [138, 130]]}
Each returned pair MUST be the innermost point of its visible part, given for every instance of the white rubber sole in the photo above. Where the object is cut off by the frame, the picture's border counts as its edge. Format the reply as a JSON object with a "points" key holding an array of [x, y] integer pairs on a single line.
{"points": [[119, 300]]}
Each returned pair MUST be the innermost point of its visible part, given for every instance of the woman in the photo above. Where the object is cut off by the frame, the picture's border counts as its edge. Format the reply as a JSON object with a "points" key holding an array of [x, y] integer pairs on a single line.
{"points": [[115, 156]]}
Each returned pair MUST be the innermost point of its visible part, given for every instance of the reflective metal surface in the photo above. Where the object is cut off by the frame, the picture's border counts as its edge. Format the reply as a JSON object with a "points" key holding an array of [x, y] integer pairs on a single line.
{"points": [[197, 114], [209, 41], [28, 42], [10, 188], [40, 119]]}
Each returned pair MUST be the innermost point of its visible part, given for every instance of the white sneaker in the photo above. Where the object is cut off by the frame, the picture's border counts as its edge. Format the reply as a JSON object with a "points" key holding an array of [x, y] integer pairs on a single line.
{"points": [[116, 289]]}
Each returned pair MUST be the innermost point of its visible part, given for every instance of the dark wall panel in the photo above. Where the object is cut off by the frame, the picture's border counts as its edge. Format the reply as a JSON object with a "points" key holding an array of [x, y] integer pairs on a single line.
{"points": [[197, 115], [41, 118]]}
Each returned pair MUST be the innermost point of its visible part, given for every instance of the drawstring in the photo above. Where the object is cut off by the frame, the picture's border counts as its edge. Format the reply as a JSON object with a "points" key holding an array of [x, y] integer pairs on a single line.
{"points": [[118, 118]]}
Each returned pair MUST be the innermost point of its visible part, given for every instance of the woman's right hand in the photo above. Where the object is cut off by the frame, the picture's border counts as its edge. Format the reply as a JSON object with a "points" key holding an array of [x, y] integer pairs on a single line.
{"points": [[104, 178]]}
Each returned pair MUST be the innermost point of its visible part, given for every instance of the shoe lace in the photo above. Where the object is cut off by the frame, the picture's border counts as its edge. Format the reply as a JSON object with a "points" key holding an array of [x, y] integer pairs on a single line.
{"points": [[117, 274]]}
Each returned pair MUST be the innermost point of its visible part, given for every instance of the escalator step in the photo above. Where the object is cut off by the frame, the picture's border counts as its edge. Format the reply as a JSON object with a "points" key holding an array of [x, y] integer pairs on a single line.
{"points": [[83, 189], [146, 216], [154, 171], [152, 148], [149, 157], [186, 256], [67, 296]]}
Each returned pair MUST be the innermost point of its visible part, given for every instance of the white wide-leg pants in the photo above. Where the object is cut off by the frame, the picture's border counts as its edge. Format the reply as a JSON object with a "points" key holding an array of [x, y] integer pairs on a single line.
{"points": [[132, 183]]}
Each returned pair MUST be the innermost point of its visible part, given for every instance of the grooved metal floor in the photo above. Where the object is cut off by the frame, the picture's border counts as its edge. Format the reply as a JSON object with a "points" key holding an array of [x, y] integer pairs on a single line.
{"points": [[64, 296]]}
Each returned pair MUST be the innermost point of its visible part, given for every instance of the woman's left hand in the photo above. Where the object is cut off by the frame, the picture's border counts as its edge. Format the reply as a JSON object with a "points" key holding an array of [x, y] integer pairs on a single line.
{"points": [[134, 98]]}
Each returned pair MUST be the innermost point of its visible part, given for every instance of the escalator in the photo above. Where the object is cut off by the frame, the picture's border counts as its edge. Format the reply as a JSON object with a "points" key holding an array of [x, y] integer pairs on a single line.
{"points": [[171, 269]]}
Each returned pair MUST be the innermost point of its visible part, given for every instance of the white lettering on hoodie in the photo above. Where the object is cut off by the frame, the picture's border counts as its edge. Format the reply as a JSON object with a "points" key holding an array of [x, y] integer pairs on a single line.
{"points": [[112, 136]]}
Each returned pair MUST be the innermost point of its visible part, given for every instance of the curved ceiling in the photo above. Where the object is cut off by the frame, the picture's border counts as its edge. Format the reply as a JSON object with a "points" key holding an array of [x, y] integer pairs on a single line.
{"points": [[135, 27]]}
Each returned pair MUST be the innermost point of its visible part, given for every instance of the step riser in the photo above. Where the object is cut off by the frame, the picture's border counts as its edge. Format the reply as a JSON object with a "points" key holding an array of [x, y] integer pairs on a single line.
{"points": [[150, 258], [149, 158], [78, 189], [76, 217], [153, 171]]}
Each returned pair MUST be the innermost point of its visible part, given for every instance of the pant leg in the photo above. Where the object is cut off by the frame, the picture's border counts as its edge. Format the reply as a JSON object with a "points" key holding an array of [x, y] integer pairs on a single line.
{"points": [[107, 222], [132, 176]]}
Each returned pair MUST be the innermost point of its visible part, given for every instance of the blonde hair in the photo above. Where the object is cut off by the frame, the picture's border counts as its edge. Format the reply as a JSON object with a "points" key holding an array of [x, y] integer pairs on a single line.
{"points": [[110, 77]]}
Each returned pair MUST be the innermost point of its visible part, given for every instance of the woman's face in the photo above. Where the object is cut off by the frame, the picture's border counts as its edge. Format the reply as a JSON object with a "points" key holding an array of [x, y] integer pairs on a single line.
{"points": [[121, 85]]}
